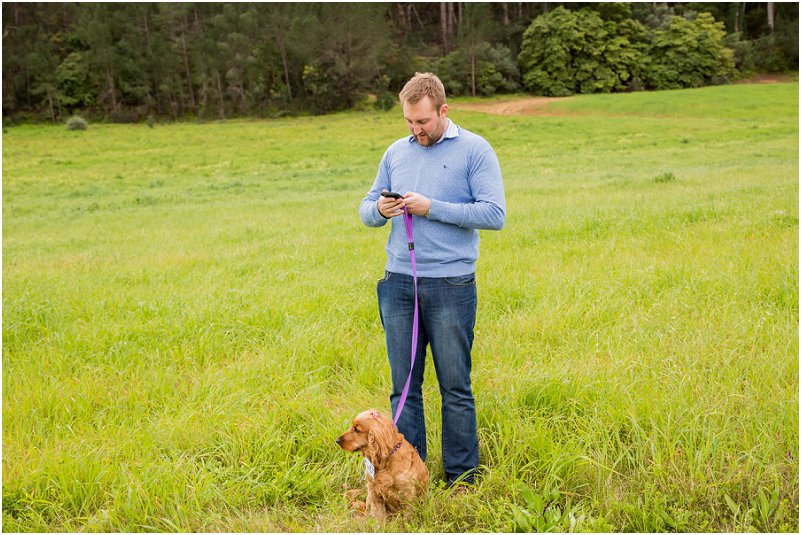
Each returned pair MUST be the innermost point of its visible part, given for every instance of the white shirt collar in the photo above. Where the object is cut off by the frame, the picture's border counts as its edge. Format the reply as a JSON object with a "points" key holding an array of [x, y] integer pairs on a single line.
{"points": [[451, 131]]}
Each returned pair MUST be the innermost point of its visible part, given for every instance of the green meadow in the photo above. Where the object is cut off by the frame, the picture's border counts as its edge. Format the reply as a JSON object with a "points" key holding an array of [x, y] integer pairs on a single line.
{"points": [[190, 320]]}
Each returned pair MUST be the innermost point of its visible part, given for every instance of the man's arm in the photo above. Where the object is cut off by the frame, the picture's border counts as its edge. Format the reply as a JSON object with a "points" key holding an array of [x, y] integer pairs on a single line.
{"points": [[487, 212], [373, 207]]}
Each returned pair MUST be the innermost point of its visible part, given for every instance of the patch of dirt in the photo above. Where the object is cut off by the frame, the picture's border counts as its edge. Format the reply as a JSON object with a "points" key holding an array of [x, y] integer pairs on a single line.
{"points": [[539, 105], [518, 106], [769, 79]]}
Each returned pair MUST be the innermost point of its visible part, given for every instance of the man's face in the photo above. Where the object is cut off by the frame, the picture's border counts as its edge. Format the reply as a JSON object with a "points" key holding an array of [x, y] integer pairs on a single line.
{"points": [[424, 122]]}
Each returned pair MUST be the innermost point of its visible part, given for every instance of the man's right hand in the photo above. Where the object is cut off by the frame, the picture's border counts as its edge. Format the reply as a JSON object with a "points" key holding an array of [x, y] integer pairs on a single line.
{"points": [[389, 207]]}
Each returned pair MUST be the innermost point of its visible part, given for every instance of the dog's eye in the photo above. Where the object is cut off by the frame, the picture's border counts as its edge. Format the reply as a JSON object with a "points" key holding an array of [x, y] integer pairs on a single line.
{"points": [[357, 430]]}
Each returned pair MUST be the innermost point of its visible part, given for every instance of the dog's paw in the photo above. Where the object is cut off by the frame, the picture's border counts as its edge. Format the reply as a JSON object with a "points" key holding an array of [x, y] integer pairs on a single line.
{"points": [[353, 494], [356, 500], [359, 507]]}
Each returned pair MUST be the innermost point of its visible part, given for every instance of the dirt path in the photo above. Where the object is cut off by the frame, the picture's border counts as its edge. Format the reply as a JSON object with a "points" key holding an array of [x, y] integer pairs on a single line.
{"points": [[518, 106], [538, 105], [769, 79]]}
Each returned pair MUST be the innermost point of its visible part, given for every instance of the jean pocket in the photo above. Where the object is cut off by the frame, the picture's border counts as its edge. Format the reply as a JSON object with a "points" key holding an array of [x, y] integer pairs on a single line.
{"points": [[463, 280], [387, 275]]}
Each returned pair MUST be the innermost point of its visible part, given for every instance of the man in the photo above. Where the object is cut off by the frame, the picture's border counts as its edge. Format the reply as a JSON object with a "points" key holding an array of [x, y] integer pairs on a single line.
{"points": [[450, 181]]}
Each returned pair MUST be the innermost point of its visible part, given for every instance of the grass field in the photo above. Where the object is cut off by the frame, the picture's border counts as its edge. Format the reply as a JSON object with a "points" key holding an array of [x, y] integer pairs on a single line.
{"points": [[190, 320]]}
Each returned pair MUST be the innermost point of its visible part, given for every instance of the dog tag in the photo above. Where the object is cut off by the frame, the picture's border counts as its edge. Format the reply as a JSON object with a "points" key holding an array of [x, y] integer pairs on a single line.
{"points": [[369, 469]]}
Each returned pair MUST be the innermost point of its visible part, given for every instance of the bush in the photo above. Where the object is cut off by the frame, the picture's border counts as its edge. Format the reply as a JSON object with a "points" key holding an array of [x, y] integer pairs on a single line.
{"points": [[385, 101], [774, 53], [664, 178], [495, 71], [77, 123], [690, 54], [566, 52]]}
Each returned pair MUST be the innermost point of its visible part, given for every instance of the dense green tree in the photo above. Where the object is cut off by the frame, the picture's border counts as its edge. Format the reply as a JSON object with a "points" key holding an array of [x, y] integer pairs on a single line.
{"points": [[346, 50], [566, 52], [486, 71], [690, 54], [75, 88]]}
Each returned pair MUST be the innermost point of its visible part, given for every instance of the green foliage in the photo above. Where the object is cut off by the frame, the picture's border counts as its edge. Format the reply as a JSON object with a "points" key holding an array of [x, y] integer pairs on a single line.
{"points": [[664, 178], [74, 82], [477, 66], [773, 53], [495, 71], [763, 512], [76, 122], [689, 54], [321, 96], [550, 512], [345, 60], [546, 56], [566, 52], [385, 101]]}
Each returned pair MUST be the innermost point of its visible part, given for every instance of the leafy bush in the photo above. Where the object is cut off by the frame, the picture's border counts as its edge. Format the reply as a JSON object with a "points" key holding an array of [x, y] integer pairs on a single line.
{"points": [[775, 53], [495, 70], [690, 54], [566, 52], [74, 82], [77, 122]]}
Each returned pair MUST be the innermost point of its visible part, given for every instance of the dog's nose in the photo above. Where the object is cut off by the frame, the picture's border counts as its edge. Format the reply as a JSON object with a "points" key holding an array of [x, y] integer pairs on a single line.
{"points": [[339, 441]]}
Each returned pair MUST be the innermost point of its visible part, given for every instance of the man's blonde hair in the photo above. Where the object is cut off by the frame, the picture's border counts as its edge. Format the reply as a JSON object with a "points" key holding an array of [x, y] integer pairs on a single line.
{"points": [[423, 84]]}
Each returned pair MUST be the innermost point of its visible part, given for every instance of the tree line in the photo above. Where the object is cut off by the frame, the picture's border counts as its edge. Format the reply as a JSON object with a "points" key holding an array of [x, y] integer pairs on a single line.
{"points": [[125, 62]]}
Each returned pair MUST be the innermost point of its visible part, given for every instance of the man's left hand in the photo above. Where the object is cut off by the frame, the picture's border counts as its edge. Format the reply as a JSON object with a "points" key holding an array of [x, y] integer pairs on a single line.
{"points": [[417, 204]]}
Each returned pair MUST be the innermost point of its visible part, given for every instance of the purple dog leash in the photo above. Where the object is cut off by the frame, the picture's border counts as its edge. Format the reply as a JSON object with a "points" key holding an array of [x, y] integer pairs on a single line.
{"points": [[407, 221]]}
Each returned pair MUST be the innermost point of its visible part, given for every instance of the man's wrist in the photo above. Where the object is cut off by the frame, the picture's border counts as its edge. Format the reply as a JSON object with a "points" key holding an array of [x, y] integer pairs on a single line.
{"points": [[379, 211]]}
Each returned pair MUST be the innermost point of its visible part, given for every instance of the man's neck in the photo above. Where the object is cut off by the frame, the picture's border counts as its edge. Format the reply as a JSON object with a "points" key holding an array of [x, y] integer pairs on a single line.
{"points": [[444, 131]]}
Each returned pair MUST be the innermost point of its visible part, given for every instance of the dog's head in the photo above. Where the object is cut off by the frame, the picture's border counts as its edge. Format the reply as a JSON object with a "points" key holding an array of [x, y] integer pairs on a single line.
{"points": [[370, 433]]}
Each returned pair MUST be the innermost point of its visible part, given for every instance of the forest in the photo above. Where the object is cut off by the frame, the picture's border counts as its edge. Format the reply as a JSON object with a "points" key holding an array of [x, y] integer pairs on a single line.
{"points": [[130, 62]]}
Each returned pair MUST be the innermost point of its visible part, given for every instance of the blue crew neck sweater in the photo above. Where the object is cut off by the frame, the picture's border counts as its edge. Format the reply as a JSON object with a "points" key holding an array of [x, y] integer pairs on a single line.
{"points": [[462, 177]]}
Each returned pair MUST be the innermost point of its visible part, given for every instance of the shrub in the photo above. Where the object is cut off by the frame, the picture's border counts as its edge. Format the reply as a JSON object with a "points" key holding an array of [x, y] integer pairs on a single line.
{"points": [[495, 71], [76, 123], [664, 178], [385, 101], [690, 54], [566, 52]]}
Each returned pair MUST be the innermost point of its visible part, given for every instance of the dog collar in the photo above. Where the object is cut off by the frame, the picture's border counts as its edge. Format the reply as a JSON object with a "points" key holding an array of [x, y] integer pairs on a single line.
{"points": [[369, 468], [396, 448]]}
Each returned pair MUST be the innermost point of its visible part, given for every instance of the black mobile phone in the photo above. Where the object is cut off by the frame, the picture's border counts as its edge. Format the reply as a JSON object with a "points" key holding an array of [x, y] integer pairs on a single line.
{"points": [[391, 194]]}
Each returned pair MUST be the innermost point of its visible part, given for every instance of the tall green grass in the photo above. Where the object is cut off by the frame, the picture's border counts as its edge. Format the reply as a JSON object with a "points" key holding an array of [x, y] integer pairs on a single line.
{"points": [[189, 321]]}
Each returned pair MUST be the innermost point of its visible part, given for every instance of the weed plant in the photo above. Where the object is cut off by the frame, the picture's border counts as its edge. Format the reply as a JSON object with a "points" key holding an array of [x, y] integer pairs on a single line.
{"points": [[190, 320], [77, 123]]}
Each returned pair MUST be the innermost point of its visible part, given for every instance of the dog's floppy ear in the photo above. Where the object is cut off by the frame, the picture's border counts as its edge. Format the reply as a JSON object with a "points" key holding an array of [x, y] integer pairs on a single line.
{"points": [[380, 438]]}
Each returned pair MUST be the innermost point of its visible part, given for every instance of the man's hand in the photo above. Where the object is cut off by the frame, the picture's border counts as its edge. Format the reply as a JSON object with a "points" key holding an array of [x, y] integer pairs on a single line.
{"points": [[389, 207], [417, 204]]}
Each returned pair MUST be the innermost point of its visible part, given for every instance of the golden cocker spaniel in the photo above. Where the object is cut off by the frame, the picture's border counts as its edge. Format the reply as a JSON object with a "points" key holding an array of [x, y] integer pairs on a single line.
{"points": [[394, 471]]}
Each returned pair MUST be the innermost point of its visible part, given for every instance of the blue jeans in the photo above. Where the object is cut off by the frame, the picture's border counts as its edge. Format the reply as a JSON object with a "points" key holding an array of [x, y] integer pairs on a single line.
{"points": [[447, 317]]}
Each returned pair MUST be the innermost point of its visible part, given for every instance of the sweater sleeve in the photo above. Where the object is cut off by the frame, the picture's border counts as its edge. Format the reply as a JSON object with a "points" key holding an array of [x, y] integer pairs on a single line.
{"points": [[488, 211], [368, 209]]}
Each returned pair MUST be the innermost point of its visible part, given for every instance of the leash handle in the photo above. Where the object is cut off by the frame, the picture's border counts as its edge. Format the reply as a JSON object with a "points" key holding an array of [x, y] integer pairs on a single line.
{"points": [[407, 221]]}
